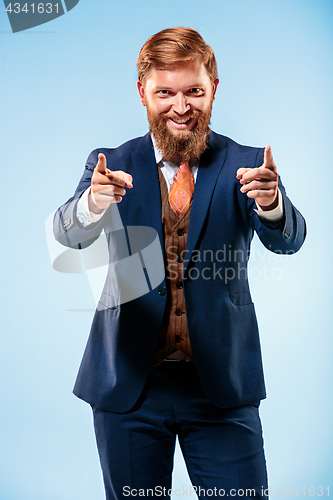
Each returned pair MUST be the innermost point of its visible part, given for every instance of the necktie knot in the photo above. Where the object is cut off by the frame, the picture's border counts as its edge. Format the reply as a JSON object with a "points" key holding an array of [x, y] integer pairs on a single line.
{"points": [[181, 189]]}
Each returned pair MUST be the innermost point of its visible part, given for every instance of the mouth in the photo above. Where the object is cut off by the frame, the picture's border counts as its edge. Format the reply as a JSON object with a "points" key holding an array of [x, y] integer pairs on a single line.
{"points": [[182, 123]]}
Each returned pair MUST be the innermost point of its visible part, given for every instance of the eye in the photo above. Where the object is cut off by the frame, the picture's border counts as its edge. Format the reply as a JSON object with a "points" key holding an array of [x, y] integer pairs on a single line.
{"points": [[164, 92], [196, 91]]}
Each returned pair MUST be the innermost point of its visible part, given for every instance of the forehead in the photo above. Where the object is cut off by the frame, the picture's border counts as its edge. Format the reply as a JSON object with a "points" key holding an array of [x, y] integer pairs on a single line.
{"points": [[182, 73]]}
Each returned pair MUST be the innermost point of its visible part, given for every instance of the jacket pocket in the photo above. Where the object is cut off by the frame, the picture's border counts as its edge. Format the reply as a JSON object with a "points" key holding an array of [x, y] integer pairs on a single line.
{"points": [[241, 299]]}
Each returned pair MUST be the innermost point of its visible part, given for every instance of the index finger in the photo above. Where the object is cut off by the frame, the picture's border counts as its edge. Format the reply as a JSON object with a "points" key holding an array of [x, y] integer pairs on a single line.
{"points": [[268, 158], [101, 165]]}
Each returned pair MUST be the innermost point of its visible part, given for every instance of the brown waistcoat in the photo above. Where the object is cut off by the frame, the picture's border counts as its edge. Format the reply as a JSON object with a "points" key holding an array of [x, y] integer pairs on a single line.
{"points": [[174, 333]]}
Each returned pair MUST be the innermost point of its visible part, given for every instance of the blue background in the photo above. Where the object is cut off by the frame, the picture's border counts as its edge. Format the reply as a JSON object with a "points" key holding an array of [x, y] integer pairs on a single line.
{"points": [[68, 87]]}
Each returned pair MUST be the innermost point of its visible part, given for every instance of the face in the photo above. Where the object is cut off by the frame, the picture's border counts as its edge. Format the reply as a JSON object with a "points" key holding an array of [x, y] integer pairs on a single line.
{"points": [[179, 101]]}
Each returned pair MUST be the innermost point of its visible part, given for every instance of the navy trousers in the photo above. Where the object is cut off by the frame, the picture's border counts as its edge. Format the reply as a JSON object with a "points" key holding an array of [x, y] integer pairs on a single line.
{"points": [[222, 447]]}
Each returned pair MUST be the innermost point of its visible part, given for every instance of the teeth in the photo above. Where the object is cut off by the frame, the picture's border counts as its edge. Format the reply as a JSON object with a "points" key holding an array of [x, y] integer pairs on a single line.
{"points": [[180, 121]]}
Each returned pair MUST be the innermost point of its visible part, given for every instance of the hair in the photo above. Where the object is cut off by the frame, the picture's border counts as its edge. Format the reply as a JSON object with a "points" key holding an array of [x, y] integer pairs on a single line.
{"points": [[174, 45]]}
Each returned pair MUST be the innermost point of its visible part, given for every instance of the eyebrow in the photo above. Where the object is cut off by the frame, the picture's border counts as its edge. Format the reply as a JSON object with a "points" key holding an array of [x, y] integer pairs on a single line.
{"points": [[192, 86]]}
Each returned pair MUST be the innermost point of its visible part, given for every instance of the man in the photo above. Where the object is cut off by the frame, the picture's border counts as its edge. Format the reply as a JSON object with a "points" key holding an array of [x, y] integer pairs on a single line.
{"points": [[184, 358]]}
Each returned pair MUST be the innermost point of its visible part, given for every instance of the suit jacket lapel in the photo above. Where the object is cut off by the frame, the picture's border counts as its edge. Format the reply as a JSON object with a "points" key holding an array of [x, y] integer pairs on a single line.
{"points": [[146, 178], [211, 164]]}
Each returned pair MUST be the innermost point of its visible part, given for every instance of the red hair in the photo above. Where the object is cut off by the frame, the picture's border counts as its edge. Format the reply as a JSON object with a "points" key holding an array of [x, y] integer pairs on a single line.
{"points": [[173, 45]]}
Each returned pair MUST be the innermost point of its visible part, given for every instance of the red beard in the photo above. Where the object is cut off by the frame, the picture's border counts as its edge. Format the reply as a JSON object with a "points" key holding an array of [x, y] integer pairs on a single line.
{"points": [[188, 144]]}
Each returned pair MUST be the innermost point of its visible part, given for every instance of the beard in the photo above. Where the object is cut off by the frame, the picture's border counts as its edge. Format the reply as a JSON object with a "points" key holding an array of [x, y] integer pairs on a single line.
{"points": [[187, 144]]}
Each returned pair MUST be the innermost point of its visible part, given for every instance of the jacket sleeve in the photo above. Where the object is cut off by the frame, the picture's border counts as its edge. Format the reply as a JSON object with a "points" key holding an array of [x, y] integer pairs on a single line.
{"points": [[66, 227]]}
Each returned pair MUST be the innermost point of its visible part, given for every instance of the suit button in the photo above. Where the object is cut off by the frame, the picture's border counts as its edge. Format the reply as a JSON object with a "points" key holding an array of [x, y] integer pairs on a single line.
{"points": [[179, 285], [180, 259], [178, 338], [67, 223], [180, 232], [162, 290], [178, 312]]}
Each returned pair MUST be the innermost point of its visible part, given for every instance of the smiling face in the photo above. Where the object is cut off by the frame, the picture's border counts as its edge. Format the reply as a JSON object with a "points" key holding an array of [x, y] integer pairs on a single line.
{"points": [[179, 101]]}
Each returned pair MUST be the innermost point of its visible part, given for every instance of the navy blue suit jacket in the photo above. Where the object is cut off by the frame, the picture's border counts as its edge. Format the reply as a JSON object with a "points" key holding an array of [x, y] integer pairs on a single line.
{"points": [[220, 314]]}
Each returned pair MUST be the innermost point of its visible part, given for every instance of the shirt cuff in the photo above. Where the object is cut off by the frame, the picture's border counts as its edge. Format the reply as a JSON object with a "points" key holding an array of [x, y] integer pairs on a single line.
{"points": [[83, 213], [274, 215]]}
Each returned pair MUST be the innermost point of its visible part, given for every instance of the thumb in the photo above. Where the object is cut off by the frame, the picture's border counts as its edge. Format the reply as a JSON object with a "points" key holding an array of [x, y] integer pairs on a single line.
{"points": [[101, 165], [241, 171], [268, 158]]}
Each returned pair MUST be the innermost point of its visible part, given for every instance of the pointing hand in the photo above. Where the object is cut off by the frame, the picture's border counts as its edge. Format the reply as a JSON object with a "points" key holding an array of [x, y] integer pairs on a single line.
{"points": [[261, 183], [107, 186]]}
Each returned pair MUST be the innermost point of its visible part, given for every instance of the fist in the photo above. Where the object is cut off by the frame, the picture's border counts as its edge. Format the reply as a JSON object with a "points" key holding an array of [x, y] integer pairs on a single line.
{"points": [[261, 183], [107, 186]]}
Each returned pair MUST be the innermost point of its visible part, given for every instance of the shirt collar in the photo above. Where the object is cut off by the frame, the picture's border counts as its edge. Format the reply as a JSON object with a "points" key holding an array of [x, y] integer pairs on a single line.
{"points": [[158, 152], [161, 162]]}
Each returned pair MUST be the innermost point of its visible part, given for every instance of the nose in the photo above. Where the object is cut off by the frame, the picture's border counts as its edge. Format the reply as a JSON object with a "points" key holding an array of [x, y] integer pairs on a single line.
{"points": [[180, 104]]}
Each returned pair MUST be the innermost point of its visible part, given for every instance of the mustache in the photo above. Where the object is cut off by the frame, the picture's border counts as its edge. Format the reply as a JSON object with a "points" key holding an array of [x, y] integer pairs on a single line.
{"points": [[186, 116]]}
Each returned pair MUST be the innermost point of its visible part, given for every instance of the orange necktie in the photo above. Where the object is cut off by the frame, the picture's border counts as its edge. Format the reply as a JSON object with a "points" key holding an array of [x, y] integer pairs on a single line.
{"points": [[181, 189]]}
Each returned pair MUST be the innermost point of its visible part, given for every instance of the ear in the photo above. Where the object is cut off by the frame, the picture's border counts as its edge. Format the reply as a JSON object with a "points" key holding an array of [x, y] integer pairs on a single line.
{"points": [[141, 90], [215, 84]]}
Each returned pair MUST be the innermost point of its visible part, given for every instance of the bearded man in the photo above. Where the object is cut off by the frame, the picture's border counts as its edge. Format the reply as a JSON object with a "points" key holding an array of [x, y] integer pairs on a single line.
{"points": [[183, 359]]}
